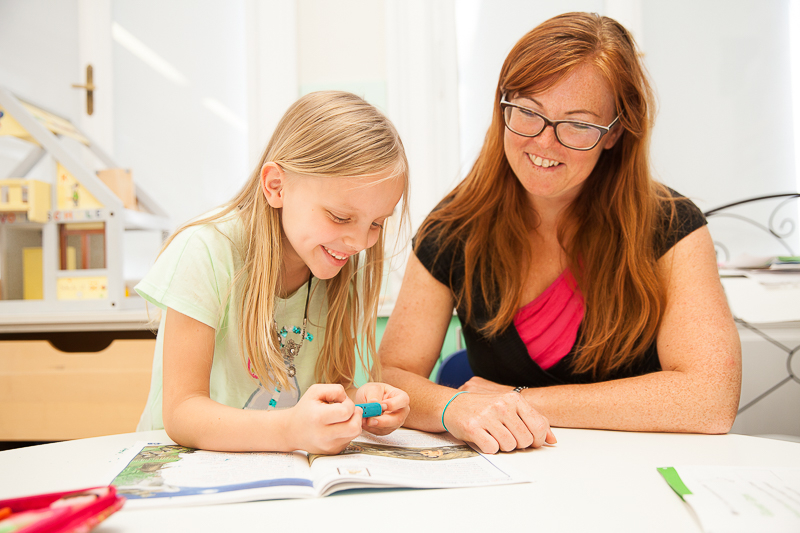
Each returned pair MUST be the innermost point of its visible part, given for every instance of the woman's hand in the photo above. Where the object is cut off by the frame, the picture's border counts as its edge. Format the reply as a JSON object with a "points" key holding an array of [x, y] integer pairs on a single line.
{"points": [[324, 421], [394, 403], [476, 384], [497, 422]]}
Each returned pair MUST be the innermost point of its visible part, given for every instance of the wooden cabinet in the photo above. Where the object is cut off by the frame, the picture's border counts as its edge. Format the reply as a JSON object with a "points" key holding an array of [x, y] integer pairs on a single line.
{"points": [[47, 394]]}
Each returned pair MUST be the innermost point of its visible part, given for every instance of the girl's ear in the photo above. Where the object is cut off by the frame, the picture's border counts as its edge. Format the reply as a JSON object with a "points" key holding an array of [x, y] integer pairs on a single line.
{"points": [[272, 181]]}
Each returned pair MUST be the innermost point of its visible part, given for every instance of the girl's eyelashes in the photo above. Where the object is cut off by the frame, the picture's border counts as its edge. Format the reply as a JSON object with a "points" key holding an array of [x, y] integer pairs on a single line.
{"points": [[338, 220]]}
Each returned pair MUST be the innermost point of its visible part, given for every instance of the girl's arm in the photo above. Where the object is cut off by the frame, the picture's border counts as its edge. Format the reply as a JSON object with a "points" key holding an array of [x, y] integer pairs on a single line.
{"points": [[324, 420], [409, 349], [698, 345]]}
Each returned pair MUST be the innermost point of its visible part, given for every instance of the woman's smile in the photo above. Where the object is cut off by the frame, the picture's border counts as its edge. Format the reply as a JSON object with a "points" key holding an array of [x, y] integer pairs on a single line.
{"points": [[542, 162]]}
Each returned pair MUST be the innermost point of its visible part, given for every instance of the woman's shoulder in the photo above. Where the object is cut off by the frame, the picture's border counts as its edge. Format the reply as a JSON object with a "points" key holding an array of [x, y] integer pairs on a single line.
{"points": [[678, 217], [434, 248]]}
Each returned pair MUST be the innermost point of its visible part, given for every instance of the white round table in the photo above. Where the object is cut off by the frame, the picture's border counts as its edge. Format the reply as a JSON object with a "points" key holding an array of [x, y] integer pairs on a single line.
{"points": [[590, 481]]}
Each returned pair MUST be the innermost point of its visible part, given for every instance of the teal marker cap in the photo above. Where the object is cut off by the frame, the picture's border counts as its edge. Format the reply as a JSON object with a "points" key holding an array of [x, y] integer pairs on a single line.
{"points": [[370, 409]]}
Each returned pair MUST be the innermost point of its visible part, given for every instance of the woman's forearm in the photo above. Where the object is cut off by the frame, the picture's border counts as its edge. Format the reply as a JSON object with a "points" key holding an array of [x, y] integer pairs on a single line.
{"points": [[427, 398], [668, 401]]}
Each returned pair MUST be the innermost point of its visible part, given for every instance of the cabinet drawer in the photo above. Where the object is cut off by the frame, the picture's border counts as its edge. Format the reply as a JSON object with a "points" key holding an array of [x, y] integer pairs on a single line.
{"points": [[47, 394]]}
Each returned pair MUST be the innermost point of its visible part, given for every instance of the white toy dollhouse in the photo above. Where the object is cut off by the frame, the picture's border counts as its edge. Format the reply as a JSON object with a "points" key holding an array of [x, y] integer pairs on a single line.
{"points": [[61, 237]]}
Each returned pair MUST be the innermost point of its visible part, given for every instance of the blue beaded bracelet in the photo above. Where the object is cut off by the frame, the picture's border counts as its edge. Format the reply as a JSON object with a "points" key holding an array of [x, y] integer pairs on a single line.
{"points": [[448, 403]]}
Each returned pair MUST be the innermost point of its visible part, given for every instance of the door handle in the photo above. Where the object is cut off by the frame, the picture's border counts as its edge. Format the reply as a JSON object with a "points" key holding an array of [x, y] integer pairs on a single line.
{"points": [[89, 89]]}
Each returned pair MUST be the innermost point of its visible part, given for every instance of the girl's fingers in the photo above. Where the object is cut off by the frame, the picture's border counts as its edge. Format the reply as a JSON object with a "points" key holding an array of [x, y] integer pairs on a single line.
{"points": [[330, 393], [396, 400], [331, 403]]}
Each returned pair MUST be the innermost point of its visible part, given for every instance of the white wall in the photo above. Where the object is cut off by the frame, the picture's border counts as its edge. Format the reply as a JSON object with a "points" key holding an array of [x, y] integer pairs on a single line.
{"points": [[723, 76], [32, 34], [348, 54], [184, 136]]}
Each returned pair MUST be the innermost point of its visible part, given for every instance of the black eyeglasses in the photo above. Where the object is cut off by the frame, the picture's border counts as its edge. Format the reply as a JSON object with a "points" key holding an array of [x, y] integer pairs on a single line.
{"points": [[573, 134]]}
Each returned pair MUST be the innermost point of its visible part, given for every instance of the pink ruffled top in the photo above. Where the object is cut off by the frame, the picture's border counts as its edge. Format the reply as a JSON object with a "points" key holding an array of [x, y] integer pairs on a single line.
{"points": [[549, 324]]}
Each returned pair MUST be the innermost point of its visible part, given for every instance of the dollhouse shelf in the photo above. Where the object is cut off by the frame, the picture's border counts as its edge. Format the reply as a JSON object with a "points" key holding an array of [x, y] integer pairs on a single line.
{"points": [[30, 197], [61, 236]]}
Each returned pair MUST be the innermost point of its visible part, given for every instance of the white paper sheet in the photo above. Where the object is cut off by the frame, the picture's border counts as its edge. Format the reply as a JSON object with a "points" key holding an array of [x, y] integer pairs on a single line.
{"points": [[742, 499]]}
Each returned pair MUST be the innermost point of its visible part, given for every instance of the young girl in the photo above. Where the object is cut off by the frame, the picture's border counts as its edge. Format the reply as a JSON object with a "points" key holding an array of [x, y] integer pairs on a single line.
{"points": [[266, 296]]}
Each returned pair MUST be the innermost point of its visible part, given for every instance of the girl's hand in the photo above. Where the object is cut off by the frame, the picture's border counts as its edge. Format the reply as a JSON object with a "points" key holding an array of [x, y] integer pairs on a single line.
{"points": [[497, 422], [324, 421], [393, 401], [476, 384]]}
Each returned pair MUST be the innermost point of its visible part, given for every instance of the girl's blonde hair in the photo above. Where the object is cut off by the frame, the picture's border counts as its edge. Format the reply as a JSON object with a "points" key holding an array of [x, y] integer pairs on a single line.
{"points": [[323, 134], [615, 217]]}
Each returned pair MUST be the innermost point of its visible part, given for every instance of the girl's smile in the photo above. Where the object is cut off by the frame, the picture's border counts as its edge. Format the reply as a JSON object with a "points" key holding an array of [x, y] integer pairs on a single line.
{"points": [[339, 257]]}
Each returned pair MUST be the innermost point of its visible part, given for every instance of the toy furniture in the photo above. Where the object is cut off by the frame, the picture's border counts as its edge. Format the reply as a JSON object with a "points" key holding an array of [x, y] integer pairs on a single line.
{"points": [[75, 219]]}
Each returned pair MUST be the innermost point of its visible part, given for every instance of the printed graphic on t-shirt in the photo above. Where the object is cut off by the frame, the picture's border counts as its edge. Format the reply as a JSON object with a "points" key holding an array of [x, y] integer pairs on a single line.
{"points": [[261, 397]]}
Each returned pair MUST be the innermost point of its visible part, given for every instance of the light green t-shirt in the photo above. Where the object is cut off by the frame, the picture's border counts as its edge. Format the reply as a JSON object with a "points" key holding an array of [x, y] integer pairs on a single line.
{"points": [[193, 276]]}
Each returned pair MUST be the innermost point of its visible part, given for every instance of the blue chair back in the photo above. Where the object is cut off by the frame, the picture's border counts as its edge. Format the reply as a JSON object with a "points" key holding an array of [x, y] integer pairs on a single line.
{"points": [[454, 370]]}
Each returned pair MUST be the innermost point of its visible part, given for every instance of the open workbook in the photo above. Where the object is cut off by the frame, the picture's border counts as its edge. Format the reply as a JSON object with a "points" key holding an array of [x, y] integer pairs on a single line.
{"points": [[157, 474]]}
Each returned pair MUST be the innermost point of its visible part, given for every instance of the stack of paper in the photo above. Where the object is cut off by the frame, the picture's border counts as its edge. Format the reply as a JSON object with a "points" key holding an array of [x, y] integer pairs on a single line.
{"points": [[739, 499], [774, 262]]}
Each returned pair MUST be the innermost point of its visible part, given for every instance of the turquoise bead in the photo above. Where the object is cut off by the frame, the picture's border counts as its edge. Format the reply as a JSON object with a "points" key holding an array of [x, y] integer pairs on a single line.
{"points": [[309, 337], [295, 330]]}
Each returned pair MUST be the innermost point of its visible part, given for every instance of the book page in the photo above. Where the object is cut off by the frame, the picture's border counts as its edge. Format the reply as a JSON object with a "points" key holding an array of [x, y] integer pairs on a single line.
{"points": [[410, 438], [740, 499], [406, 458], [161, 474]]}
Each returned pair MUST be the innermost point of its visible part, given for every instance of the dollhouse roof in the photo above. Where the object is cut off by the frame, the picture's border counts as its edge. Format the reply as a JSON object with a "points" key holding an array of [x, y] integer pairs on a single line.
{"points": [[46, 131]]}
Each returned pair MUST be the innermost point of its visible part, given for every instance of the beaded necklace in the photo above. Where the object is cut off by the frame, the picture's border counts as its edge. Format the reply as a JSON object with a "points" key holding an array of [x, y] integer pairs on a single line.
{"points": [[289, 348]]}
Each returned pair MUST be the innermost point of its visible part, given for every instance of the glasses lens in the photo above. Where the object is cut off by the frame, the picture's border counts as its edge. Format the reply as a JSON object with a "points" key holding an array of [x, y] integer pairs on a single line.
{"points": [[523, 121], [579, 136]]}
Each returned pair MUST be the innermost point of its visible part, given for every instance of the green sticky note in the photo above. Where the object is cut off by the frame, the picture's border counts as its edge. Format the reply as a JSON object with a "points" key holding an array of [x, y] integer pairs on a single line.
{"points": [[672, 478]]}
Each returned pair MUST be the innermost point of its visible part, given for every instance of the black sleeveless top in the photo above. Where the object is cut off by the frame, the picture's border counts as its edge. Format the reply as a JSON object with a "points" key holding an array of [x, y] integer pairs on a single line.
{"points": [[504, 358]]}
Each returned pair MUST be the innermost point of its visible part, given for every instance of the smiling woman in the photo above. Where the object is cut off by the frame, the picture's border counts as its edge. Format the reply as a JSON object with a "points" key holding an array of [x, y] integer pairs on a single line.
{"points": [[588, 292]]}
